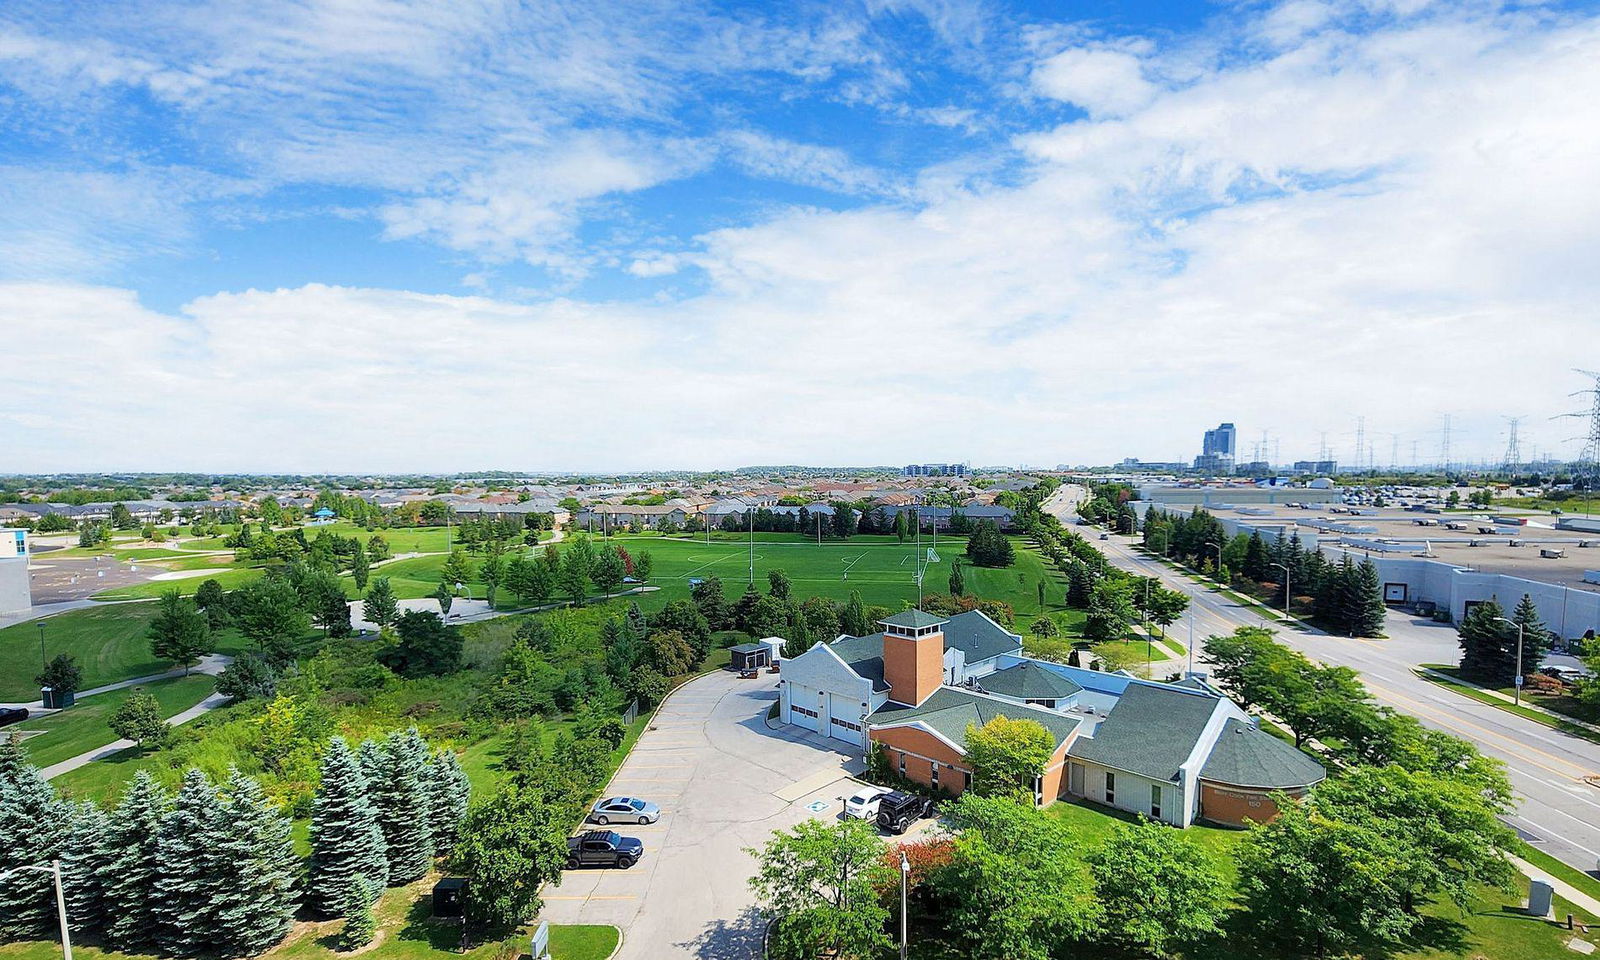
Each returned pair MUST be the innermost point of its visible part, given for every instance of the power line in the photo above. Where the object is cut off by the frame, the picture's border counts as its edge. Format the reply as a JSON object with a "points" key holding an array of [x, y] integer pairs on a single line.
{"points": [[1588, 467], [1512, 462]]}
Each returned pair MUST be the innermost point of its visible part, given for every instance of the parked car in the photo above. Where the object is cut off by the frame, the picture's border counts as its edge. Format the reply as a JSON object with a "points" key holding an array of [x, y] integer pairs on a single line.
{"points": [[12, 715], [603, 848], [863, 804], [898, 811], [624, 810]]}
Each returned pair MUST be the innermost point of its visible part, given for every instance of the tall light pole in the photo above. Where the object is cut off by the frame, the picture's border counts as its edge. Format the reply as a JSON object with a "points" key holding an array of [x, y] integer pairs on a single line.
{"points": [[61, 901], [43, 662], [905, 877], [1217, 547], [1286, 594], [1518, 668]]}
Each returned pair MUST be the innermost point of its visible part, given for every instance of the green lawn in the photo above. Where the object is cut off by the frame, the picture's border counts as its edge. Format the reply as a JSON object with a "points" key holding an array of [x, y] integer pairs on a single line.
{"points": [[109, 641], [1483, 696], [84, 727]]}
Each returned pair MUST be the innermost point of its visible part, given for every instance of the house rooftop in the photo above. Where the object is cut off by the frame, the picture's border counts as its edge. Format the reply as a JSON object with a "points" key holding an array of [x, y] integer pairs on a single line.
{"points": [[949, 711], [1028, 681], [1247, 756], [975, 635]]}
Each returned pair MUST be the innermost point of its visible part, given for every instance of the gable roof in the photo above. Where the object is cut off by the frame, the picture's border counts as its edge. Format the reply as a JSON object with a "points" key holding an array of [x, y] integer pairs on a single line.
{"points": [[864, 655], [1247, 756], [948, 711], [1150, 732], [1028, 681], [974, 634]]}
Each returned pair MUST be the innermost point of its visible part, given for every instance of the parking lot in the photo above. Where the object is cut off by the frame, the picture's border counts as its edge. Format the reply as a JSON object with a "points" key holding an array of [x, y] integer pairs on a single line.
{"points": [[724, 781]]}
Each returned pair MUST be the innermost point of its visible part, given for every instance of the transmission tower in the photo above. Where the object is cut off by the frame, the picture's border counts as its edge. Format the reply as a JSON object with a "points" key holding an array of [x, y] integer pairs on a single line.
{"points": [[1589, 460], [1361, 441], [1444, 446], [1512, 464]]}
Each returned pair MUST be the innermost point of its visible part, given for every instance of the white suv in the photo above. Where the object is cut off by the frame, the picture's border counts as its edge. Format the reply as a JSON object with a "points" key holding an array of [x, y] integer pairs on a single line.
{"points": [[863, 804]]}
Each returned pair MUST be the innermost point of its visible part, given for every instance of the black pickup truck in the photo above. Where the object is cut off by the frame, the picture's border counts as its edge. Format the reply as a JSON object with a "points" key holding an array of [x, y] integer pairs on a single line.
{"points": [[603, 848]]}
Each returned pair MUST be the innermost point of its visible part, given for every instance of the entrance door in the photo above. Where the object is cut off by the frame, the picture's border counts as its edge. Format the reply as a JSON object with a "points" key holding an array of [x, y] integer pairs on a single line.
{"points": [[1075, 779], [1395, 593]]}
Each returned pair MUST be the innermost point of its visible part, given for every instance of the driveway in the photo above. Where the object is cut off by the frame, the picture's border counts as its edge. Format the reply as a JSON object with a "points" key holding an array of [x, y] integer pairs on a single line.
{"points": [[725, 781]]}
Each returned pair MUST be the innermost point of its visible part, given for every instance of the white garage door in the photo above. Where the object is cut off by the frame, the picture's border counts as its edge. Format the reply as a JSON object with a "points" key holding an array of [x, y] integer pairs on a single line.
{"points": [[803, 707], [846, 721]]}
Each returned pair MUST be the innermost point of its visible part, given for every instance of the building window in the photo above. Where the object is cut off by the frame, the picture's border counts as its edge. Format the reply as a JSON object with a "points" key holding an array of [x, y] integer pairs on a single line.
{"points": [[1155, 800], [902, 764], [934, 777], [1111, 787]]}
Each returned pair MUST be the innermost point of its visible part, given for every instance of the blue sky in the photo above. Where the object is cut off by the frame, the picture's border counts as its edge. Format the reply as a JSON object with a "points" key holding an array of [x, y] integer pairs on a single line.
{"points": [[577, 236]]}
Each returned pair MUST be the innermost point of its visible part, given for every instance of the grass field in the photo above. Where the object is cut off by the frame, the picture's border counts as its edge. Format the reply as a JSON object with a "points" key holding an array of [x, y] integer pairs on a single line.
{"points": [[84, 727], [109, 642]]}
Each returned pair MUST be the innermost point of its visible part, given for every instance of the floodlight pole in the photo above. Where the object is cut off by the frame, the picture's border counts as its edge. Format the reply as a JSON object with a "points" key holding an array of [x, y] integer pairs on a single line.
{"points": [[1518, 669], [752, 515], [43, 662], [905, 876], [1217, 547], [1286, 594]]}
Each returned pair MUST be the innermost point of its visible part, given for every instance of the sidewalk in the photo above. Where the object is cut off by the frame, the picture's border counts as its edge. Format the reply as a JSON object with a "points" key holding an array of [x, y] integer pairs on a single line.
{"points": [[210, 703], [1563, 889], [211, 663]]}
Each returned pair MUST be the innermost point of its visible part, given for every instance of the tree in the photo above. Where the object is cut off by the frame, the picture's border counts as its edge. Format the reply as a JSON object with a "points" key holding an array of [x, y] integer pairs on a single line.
{"points": [[268, 611], [85, 860], [1526, 616], [540, 585], [608, 571], [213, 600], [380, 607], [134, 836], [449, 791], [853, 617], [1111, 612], [250, 676], [347, 843], [958, 582], [457, 569], [1368, 609], [1017, 887], [1044, 627], [988, 547], [190, 877], [819, 882], [511, 845], [1166, 606], [61, 674], [122, 518], [35, 827], [179, 632], [643, 565], [577, 561], [401, 795], [1161, 891], [1485, 655], [669, 653], [712, 603], [778, 584], [360, 569], [359, 924], [138, 718], [425, 646], [821, 618], [1007, 756], [256, 905], [445, 595]]}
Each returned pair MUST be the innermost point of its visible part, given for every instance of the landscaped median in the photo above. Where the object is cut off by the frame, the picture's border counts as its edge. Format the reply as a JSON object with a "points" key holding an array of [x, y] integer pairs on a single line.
{"points": [[1446, 676]]}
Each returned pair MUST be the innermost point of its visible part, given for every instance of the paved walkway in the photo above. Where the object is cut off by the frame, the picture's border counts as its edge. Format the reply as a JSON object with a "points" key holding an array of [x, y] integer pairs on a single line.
{"points": [[1563, 889], [210, 703], [211, 663]]}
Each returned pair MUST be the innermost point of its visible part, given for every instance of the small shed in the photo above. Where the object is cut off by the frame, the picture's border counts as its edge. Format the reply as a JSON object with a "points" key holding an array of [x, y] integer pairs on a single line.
{"points": [[449, 897], [750, 656]]}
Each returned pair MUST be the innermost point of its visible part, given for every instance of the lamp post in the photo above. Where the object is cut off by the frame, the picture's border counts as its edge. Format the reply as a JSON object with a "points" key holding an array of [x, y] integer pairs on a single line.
{"points": [[1217, 547], [1286, 593], [61, 901], [905, 877], [1518, 669], [44, 663]]}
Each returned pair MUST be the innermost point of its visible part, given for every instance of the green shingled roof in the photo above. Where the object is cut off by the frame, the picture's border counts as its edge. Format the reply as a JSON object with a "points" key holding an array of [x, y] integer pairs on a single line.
{"points": [[1028, 681], [1247, 756], [1150, 732], [914, 619], [972, 633], [950, 710]]}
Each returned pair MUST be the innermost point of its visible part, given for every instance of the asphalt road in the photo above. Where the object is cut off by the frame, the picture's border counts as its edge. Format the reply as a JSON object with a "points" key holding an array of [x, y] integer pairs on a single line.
{"points": [[1557, 775]]}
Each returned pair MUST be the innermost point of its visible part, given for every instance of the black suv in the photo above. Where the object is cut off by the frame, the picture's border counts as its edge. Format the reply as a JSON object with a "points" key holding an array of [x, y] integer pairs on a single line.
{"points": [[605, 848], [898, 811]]}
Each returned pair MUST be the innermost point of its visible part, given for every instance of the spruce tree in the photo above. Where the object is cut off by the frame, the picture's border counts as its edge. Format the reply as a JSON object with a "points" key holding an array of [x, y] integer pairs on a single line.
{"points": [[401, 797], [1370, 609], [636, 622], [346, 840], [374, 765], [131, 872], [1481, 636], [1526, 615], [191, 874], [35, 825], [449, 790], [359, 925], [958, 582], [255, 908], [84, 866]]}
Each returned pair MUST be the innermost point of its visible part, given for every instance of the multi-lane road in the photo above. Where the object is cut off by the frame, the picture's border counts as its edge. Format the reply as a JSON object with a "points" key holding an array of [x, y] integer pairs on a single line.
{"points": [[1556, 775]]}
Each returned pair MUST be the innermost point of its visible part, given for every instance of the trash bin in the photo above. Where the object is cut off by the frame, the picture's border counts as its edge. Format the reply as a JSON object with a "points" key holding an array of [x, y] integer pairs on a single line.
{"points": [[449, 897]]}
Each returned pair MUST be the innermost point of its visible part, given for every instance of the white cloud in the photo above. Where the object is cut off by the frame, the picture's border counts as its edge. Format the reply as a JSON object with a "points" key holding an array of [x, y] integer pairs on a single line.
{"points": [[1105, 82]]}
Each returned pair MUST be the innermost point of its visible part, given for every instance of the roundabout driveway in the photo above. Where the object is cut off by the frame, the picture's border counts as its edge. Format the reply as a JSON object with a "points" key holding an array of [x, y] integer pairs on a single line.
{"points": [[724, 781]]}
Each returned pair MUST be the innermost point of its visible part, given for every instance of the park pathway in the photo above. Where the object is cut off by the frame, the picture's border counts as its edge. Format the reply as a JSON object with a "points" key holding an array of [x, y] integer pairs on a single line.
{"points": [[211, 663], [205, 706]]}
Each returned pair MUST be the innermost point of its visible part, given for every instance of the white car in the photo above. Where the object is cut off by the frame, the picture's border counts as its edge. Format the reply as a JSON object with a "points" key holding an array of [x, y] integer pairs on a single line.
{"points": [[863, 804]]}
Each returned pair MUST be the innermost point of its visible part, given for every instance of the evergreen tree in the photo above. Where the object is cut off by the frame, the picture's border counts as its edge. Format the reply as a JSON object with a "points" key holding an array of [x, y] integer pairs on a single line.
{"points": [[359, 924], [1368, 609], [35, 826], [1482, 640], [1080, 585], [253, 910], [449, 791], [190, 875], [636, 623], [374, 765], [360, 569], [401, 796], [958, 582], [84, 863], [744, 610], [853, 618], [380, 607], [1534, 633], [347, 842], [711, 602], [132, 871], [1255, 558]]}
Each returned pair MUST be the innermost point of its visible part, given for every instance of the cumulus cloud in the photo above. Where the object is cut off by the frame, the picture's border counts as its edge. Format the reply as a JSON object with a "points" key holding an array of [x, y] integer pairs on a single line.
{"points": [[1105, 82]]}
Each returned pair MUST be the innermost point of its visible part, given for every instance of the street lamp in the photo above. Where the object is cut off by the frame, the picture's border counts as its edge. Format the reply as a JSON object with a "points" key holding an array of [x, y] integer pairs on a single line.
{"points": [[1286, 593], [61, 901], [1518, 668], [1217, 547], [43, 663], [905, 876]]}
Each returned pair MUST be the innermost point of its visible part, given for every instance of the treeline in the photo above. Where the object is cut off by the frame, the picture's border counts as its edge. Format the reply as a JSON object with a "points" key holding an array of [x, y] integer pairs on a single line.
{"points": [[211, 870], [1346, 596], [1112, 599]]}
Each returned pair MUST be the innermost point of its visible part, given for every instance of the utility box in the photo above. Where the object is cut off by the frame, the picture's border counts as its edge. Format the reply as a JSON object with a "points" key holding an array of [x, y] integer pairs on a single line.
{"points": [[57, 701], [1539, 898], [449, 897]]}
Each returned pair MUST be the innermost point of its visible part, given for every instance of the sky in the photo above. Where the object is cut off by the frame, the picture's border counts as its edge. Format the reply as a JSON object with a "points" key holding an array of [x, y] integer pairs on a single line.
{"points": [[374, 235]]}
